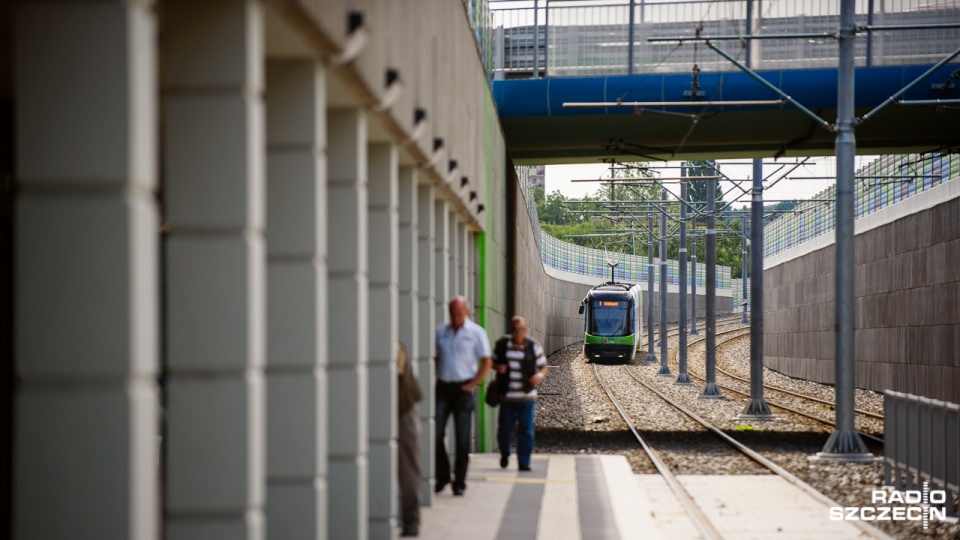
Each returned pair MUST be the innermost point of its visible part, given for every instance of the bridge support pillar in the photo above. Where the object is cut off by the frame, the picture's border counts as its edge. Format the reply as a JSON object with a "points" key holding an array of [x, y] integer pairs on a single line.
{"points": [[349, 331], [297, 319], [383, 309], [212, 64], [87, 308], [427, 321]]}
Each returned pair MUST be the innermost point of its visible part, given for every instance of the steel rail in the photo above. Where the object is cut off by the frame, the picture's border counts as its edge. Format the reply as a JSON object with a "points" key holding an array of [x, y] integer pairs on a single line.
{"points": [[778, 404], [700, 520], [752, 454], [797, 394]]}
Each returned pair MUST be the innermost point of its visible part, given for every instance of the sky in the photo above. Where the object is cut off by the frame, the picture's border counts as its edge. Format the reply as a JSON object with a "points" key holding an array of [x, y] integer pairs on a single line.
{"points": [[558, 177]]}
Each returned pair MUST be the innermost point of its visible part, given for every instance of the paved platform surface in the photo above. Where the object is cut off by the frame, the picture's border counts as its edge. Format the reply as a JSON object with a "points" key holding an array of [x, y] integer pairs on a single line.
{"points": [[599, 497]]}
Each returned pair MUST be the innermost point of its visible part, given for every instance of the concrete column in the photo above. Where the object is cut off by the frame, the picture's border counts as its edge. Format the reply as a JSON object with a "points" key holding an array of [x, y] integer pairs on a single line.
{"points": [[408, 269], [297, 488], [442, 289], [471, 270], [427, 317], [453, 237], [212, 62], [86, 311], [383, 255], [347, 285], [442, 283], [463, 263]]}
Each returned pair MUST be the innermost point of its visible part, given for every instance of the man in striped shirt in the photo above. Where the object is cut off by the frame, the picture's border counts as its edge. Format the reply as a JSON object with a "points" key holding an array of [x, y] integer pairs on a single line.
{"points": [[521, 366]]}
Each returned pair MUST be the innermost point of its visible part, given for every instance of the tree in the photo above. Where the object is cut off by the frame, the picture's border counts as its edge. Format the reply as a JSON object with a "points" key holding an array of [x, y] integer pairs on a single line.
{"points": [[554, 209]]}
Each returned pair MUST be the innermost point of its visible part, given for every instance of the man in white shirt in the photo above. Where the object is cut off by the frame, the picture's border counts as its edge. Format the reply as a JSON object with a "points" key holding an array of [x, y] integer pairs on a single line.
{"points": [[461, 345]]}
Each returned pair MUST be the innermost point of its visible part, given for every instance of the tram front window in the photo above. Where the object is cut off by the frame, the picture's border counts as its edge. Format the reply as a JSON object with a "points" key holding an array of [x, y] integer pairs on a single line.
{"points": [[610, 318]]}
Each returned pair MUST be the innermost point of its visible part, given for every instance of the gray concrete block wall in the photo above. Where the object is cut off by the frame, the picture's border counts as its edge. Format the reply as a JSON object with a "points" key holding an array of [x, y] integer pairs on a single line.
{"points": [[907, 310]]}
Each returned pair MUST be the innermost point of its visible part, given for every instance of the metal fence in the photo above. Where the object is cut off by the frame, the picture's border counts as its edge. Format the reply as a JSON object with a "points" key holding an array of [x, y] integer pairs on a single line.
{"points": [[921, 444], [560, 38], [888, 180]]}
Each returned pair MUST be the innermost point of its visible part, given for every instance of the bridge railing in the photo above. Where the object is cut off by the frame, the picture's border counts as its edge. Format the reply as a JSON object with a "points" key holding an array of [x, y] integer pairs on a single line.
{"points": [[559, 38], [921, 445]]}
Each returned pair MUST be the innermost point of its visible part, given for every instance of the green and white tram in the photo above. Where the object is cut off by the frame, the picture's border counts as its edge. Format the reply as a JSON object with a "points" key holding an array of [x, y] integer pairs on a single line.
{"points": [[612, 321]]}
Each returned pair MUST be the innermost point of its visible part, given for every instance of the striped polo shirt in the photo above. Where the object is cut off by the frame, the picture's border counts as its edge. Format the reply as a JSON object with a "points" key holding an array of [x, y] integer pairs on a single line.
{"points": [[514, 356]]}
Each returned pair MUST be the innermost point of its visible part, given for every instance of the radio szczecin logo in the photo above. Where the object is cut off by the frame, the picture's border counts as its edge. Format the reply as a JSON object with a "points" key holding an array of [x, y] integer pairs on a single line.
{"points": [[924, 505]]}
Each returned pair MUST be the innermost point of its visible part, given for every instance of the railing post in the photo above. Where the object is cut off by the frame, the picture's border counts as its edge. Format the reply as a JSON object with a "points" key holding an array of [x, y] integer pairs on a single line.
{"points": [[546, 38], [870, 34], [630, 40], [536, 39]]}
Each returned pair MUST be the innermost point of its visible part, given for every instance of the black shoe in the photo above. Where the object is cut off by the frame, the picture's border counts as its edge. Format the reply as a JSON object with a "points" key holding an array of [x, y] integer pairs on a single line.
{"points": [[410, 531], [524, 467], [503, 462], [458, 490], [440, 485]]}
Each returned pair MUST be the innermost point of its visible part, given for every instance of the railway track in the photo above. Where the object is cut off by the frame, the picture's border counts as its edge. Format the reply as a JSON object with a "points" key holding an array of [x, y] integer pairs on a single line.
{"points": [[731, 336], [697, 516]]}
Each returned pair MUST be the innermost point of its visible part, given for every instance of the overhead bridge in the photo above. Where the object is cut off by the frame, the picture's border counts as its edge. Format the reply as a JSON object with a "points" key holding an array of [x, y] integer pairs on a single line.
{"points": [[577, 84]]}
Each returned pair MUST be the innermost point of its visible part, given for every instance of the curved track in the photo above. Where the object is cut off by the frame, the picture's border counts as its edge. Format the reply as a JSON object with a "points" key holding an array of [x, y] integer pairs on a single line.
{"points": [[745, 332]]}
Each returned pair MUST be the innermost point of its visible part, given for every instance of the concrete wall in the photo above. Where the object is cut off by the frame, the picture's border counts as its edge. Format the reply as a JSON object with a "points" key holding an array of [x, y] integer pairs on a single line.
{"points": [[907, 300], [225, 214]]}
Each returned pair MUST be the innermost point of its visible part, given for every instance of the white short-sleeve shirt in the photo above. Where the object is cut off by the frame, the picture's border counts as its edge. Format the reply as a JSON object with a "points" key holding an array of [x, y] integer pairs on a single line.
{"points": [[458, 352]]}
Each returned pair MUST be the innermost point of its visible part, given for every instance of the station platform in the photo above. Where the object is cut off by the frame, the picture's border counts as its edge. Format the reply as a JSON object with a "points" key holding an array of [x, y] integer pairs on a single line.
{"points": [[599, 497]]}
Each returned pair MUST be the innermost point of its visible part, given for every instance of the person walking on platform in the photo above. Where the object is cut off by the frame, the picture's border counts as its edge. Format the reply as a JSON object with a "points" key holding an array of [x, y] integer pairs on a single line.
{"points": [[408, 443], [521, 366], [460, 346]]}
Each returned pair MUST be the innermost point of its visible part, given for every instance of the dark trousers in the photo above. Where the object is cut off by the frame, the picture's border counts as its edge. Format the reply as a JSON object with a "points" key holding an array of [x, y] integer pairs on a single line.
{"points": [[452, 400], [512, 413]]}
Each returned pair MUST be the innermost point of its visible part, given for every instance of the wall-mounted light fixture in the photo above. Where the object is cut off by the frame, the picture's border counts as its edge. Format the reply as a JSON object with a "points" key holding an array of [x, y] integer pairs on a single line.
{"points": [[393, 88], [419, 125], [437, 154], [452, 171], [357, 38]]}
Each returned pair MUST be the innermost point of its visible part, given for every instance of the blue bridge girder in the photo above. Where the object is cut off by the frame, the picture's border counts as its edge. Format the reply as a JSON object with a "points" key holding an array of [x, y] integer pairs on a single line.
{"points": [[539, 130]]}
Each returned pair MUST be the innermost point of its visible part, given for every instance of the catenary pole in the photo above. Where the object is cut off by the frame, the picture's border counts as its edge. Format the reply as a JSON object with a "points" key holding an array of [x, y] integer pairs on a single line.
{"points": [[845, 443], [664, 368], [683, 377], [651, 357], [710, 388], [743, 267], [756, 407]]}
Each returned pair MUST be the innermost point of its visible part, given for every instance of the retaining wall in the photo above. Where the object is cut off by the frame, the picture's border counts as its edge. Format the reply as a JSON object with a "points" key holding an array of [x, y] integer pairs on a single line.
{"points": [[907, 300]]}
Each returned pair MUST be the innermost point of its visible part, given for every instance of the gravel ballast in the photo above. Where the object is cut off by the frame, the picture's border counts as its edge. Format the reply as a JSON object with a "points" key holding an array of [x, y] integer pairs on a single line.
{"points": [[574, 416]]}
